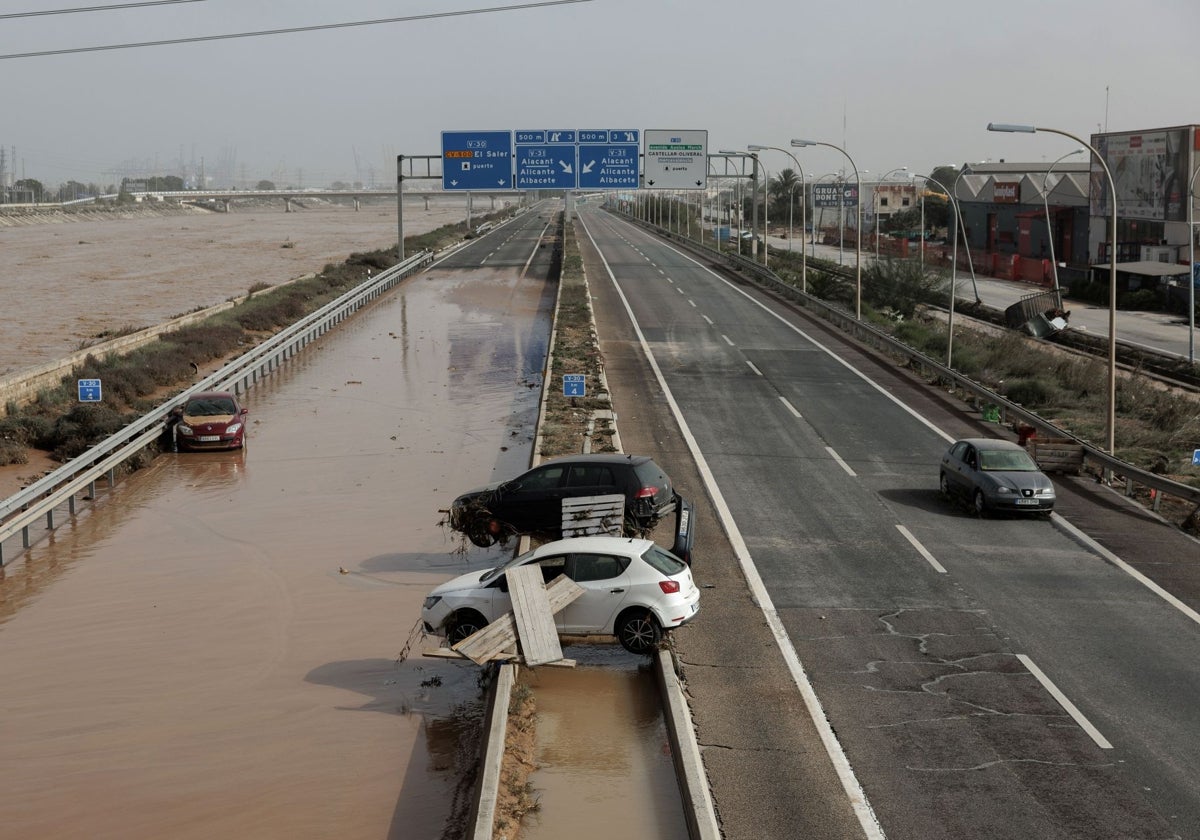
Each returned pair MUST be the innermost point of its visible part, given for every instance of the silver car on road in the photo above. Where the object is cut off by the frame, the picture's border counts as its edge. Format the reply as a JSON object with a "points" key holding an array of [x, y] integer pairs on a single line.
{"points": [[995, 475]]}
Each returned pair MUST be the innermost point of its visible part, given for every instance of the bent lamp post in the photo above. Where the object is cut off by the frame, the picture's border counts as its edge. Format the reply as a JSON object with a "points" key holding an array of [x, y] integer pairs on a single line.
{"points": [[1111, 419]]}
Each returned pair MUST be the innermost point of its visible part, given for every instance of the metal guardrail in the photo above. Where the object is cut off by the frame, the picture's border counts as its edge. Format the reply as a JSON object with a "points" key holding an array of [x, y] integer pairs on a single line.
{"points": [[1133, 476], [49, 493]]}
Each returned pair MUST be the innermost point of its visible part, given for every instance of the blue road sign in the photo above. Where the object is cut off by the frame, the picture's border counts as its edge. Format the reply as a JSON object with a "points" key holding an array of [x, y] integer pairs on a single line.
{"points": [[477, 160], [546, 167], [608, 167], [593, 135], [89, 390], [574, 385]]}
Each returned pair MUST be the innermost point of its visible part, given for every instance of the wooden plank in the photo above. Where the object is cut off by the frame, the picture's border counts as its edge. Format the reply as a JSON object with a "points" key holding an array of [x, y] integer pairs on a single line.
{"points": [[589, 515], [536, 633], [1057, 454], [501, 635], [447, 653]]}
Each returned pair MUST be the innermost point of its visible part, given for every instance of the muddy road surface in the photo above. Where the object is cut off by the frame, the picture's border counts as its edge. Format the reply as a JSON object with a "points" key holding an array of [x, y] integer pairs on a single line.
{"points": [[214, 649]]}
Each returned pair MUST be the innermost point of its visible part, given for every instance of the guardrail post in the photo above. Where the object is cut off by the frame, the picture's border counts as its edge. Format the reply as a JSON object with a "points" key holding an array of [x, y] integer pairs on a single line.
{"points": [[112, 477], [71, 505], [50, 520]]}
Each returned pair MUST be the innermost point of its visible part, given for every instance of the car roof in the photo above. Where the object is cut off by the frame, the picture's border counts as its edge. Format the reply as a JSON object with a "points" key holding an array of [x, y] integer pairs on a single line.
{"points": [[597, 544], [600, 458], [992, 443], [205, 395]]}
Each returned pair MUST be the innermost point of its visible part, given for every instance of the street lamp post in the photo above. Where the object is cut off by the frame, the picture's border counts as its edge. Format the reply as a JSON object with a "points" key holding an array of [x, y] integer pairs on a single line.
{"points": [[953, 268], [962, 225], [1112, 268], [1192, 266], [1049, 227], [858, 227], [766, 204], [803, 212], [741, 209]]}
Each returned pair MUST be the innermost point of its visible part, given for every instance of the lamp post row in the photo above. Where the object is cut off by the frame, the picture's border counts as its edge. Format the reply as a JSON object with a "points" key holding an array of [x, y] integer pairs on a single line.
{"points": [[1110, 424]]}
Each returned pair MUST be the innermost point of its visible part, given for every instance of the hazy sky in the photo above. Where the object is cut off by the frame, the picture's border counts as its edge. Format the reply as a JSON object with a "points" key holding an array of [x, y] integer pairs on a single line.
{"points": [[896, 83]]}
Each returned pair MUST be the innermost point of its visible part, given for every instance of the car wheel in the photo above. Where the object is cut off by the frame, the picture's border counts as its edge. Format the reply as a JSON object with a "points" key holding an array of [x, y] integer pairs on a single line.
{"points": [[944, 485], [638, 632], [462, 624], [979, 503]]}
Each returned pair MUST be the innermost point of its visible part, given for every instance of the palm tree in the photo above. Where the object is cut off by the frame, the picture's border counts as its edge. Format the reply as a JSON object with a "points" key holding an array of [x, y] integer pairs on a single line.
{"points": [[783, 193]]}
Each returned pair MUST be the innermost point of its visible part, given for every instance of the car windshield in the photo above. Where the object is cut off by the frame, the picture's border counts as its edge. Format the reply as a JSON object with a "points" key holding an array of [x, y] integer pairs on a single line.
{"points": [[664, 561], [210, 407], [1006, 460], [492, 574]]}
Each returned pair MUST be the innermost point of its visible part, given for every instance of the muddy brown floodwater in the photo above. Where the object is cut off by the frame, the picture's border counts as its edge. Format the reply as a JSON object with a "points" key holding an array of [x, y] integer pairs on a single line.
{"points": [[211, 649], [64, 284]]}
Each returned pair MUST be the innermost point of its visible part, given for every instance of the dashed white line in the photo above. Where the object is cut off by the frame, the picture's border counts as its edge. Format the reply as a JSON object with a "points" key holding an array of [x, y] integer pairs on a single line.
{"points": [[710, 320], [728, 340], [753, 368], [841, 463], [922, 550], [790, 407], [692, 302], [1067, 705]]}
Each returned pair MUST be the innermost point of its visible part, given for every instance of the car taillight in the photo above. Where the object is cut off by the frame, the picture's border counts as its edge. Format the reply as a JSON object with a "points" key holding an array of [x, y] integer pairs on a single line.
{"points": [[669, 587], [646, 493]]}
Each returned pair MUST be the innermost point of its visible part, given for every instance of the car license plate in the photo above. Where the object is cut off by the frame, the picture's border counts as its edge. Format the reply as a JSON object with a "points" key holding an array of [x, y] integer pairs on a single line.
{"points": [[1027, 501], [695, 606], [208, 438]]}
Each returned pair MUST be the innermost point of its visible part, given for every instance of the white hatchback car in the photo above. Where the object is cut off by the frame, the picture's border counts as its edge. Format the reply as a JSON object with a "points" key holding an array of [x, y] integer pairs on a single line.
{"points": [[634, 590]]}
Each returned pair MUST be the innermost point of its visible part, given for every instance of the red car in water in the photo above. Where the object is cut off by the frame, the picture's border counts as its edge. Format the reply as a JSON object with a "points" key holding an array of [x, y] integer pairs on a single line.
{"points": [[211, 420]]}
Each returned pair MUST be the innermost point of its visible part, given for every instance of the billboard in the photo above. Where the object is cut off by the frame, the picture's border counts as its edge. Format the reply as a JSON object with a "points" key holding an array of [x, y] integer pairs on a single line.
{"points": [[834, 195], [1150, 172], [1006, 192]]}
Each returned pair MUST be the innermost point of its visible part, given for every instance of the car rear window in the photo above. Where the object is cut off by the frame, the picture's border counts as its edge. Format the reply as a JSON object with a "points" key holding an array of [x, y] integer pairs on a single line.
{"points": [[664, 561], [651, 474]]}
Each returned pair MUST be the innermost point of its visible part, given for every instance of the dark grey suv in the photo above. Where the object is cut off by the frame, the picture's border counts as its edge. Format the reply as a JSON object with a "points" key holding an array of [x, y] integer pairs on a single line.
{"points": [[531, 503]]}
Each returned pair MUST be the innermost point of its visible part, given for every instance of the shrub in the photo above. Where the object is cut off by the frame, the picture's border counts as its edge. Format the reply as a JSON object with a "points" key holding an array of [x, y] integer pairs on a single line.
{"points": [[1145, 300], [1032, 392], [11, 453]]}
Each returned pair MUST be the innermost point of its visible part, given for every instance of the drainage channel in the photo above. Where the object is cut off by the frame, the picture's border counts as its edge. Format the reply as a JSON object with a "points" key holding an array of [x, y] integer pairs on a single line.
{"points": [[614, 747]]}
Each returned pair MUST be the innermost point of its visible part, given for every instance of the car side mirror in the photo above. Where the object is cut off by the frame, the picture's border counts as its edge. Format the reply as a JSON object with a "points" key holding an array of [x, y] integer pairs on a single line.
{"points": [[244, 412]]}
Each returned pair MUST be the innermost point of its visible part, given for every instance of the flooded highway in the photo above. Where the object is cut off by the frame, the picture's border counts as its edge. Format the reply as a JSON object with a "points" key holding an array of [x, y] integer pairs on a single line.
{"points": [[211, 649]]}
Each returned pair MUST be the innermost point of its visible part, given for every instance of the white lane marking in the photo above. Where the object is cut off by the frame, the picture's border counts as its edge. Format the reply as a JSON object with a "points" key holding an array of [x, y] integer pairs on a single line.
{"points": [[692, 302], [1067, 705], [681, 291], [753, 368], [660, 271], [1089, 543], [710, 321], [728, 340], [1080, 537], [669, 280], [922, 550], [841, 463], [833, 748], [790, 407]]}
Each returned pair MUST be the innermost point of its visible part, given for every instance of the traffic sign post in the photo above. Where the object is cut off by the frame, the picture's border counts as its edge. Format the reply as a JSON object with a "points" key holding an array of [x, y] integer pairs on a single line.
{"points": [[574, 385], [609, 160], [676, 160], [546, 159], [477, 160], [90, 390]]}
